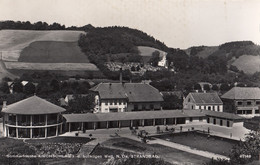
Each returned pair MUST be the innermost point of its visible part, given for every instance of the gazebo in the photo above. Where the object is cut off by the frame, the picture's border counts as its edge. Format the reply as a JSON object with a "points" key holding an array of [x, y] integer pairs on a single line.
{"points": [[32, 118]]}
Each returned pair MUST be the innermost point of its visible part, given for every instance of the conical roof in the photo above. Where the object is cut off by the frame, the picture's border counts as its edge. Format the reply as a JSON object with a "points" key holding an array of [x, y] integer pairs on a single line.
{"points": [[33, 106]]}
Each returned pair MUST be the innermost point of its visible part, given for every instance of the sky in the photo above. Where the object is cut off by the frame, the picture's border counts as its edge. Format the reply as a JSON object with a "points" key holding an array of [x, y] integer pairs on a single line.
{"points": [[177, 23]]}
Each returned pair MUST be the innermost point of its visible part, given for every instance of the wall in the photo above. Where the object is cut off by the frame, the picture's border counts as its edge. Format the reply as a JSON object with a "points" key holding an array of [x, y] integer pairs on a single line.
{"points": [[224, 121], [156, 105], [112, 104], [195, 120]]}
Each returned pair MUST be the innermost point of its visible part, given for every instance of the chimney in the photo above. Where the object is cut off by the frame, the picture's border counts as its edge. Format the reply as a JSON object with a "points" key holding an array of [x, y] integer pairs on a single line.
{"points": [[4, 104], [121, 76]]}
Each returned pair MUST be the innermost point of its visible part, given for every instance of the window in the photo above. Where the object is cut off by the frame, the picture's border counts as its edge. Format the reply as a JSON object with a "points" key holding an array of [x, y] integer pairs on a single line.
{"points": [[248, 111], [209, 107], [239, 112], [120, 102], [248, 103], [188, 99], [143, 107], [191, 119], [221, 122], [256, 111], [199, 107], [239, 103], [213, 108], [192, 107], [106, 102], [218, 107], [111, 102], [257, 102], [151, 106], [135, 107], [200, 118]]}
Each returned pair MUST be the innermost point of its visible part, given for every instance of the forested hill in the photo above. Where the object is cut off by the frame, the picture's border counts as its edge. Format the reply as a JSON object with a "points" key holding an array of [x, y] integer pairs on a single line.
{"points": [[229, 49], [115, 40], [239, 55]]}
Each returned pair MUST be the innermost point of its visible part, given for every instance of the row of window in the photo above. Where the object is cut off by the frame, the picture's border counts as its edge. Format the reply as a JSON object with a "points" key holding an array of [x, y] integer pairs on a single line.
{"points": [[248, 103], [115, 110], [245, 112], [115, 102], [214, 108]]}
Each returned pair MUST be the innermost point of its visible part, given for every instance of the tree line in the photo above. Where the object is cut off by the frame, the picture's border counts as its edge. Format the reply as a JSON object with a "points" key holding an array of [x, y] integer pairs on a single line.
{"points": [[27, 25]]}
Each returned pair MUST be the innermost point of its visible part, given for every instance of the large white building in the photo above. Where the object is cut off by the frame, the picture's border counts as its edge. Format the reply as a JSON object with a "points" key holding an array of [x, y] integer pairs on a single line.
{"points": [[207, 101], [126, 97]]}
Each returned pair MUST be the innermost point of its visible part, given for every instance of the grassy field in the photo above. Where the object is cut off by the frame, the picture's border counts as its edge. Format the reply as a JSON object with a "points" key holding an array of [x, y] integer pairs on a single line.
{"points": [[53, 52], [248, 63], [202, 142], [12, 42], [51, 66], [146, 52]]}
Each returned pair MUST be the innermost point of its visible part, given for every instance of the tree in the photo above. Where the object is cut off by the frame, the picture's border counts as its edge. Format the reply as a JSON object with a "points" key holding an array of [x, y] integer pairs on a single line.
{"points": [[132, 68], [215, 87], [55, 85], [155, 58], [43, 88], [247, 151], [82, 104], [197, 87], [29, 88], [18, 87], [172, 102], [206, 87], [224, 87], [5, 87]]}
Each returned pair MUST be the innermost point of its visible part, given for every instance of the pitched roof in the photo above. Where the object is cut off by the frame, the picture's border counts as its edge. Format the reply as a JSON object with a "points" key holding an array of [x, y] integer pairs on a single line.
{"points": [[33, 106], [134, 92], [206, 98], [224, 115], [95, 117], [242, 93]]}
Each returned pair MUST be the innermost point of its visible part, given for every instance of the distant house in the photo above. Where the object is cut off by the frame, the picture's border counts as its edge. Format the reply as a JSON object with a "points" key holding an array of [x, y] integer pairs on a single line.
{"points": [[207, 101], [126, 97], [243, 101]]}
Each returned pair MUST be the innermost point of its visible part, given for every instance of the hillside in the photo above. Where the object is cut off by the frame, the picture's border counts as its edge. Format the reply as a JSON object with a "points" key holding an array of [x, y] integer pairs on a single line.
{"points": [[237, 53], [53, 52], [12, 42], [146, 52], [248, 63]]}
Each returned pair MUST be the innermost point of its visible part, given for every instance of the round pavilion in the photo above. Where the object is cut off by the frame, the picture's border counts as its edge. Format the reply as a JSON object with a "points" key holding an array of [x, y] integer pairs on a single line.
{"points": [[32, 118]]}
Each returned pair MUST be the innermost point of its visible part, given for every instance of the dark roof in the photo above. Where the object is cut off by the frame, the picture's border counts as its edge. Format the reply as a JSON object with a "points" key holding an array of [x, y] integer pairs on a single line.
{"points": [[206, 98], [134, 92], [242, 93], [224, 115], [95, 117], [33, 106]]}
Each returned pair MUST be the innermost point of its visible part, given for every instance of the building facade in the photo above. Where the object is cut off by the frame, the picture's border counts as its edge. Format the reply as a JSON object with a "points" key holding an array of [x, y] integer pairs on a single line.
{"points": [[244, 101], [126, 97], [207, 101], [32, 118]]}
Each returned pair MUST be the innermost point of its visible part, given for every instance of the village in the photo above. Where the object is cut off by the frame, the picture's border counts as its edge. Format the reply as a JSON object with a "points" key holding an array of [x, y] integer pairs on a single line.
{"points": [[133, 111]]}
